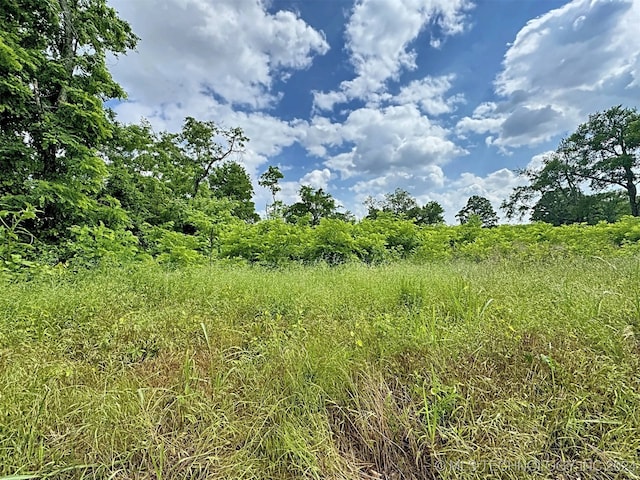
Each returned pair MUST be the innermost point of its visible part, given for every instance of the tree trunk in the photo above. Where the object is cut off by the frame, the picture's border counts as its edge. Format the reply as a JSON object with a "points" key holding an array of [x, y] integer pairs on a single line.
{"points": [[633, 200], [632, 191]]}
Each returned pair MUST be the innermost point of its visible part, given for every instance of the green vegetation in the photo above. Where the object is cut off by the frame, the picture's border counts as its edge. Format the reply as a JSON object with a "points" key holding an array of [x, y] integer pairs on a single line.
{"points": [[499, 369], [601, 155], [479, 207], [152, 326], [400, 204]]}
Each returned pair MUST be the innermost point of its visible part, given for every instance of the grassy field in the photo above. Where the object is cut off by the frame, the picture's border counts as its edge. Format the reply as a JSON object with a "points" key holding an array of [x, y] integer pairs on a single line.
{"points": [[497, 369]]}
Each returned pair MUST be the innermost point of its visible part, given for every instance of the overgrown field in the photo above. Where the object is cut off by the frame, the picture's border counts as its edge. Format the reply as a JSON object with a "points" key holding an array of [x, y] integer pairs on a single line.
{"points": [[497, 369]]}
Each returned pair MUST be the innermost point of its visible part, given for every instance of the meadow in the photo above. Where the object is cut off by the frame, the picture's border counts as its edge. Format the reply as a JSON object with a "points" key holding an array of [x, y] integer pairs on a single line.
{"points": [[519, 368]]}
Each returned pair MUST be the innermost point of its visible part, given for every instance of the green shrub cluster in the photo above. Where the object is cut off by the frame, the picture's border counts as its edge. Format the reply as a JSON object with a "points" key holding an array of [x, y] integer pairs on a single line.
{"points": [[334, 241], [274, 242]]}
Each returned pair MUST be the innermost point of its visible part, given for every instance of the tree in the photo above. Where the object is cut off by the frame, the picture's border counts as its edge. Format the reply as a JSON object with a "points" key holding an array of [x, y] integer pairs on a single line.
{"points": [[602, 155], [430, 213], [480, 207], [54, 81], [189, 156], [603, 151], [231, 181], [269, 179], [401, 204], [554, 208], [153, 179], [316, 204]]}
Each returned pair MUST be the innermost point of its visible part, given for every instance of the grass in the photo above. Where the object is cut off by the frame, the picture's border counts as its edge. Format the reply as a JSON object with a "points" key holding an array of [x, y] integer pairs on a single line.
{"points": [[501, 369]]}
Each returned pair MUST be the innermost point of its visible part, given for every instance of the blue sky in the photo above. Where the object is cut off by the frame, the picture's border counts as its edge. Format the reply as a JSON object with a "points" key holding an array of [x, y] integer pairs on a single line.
{"points": [[443, 98]]}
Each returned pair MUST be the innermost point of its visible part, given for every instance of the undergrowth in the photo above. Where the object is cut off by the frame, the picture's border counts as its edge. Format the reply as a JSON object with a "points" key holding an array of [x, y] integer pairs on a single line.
{"points": [[498, 369]]}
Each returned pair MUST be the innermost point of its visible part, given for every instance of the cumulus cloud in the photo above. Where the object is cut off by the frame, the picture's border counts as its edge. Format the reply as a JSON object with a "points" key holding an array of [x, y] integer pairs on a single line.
{"points": [[233, 49], [379, 33], [317, 178], [374, 141], [205, 59], [495, 186], [562, 66], [430, 94]]}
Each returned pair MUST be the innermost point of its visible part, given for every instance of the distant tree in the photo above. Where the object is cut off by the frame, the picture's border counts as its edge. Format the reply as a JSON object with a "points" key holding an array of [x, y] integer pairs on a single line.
{"points": [[480, 207], [231, 181], [270, 179], [199, 144], [602, 154], [316, 204], [402, 204], [555, 208], [430, 213]]}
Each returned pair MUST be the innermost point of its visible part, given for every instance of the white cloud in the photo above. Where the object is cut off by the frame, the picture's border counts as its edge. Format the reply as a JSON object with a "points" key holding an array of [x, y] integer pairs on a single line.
{"points": [[379, 33], [203, 59], [317, 179], [430, 94], [483, 120], [395, 138], [496, 187], [231, 48], [572, 61]]}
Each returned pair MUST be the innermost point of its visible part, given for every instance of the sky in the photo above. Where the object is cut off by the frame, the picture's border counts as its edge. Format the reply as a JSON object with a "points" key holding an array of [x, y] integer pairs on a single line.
{"points": [[442, 98]]}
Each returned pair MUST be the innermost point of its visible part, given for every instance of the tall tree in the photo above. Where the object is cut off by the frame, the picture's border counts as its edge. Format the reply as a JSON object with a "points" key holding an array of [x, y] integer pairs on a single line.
{"points": [[231, 181], [53, 83], [604, 152], [317, 204], [400, 202], [480, 207], [270, 179], [602, 155], [190, 156]]}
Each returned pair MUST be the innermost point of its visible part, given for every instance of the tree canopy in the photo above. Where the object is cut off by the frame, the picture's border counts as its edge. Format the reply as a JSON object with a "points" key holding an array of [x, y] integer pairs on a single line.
{"points": [[74, 181], [316, 204], [480, 207], [54, 80], [231, 181], [601, 156], [401, 204]]}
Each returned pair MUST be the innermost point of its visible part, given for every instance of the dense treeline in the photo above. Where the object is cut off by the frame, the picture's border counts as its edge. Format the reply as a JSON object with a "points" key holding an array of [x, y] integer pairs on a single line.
{"points": [[77, 186]]}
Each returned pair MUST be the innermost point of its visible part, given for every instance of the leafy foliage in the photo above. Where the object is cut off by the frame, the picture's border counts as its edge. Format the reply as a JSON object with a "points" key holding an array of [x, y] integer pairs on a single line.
{"points": [[401, 204], [314, 205], [78, 188], [480, 207], [54, 80], [602, 154], [232, 182], [270, 179], [16, 242]]}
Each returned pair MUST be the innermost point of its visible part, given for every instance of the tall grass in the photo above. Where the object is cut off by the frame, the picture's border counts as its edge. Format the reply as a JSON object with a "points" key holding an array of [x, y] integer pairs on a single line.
{"points": [[500, 369]]}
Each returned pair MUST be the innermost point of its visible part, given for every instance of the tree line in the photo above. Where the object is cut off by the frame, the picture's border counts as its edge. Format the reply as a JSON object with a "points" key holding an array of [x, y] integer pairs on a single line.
{"points": [[72, 178]]}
